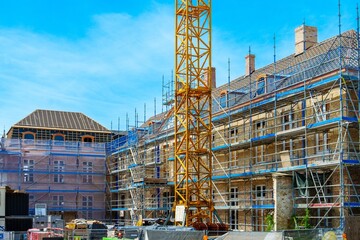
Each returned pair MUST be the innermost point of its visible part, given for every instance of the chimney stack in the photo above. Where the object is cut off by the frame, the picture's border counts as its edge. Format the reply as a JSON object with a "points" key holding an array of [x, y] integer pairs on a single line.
{"points": [[249, 64], [305, 37], [213, 77]]}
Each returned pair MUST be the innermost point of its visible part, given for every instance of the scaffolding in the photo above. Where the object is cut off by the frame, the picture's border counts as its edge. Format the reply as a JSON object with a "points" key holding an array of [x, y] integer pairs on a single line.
{"points": [[138, 171], [69, 177], [285, 143], [300, 123]]}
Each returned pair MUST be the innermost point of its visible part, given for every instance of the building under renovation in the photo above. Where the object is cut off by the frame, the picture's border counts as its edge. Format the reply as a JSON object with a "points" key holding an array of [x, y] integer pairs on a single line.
{"points": [[58, 158], [285, 144]]}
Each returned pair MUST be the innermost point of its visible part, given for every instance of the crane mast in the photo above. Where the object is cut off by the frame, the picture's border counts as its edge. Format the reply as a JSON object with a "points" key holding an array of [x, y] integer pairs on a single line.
{"points": [[192, 112]]}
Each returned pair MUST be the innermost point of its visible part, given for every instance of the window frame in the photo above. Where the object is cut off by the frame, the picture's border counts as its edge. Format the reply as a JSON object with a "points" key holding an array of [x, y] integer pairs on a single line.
{"points": [[261, 85], [262, 190], [28, 133], [84, 137], [223, 99], [87, 203], [28, 170], [288, 120], [87, 168], [234, 202], [59, 167], [57, 135], [234, 196], [58, 200]]}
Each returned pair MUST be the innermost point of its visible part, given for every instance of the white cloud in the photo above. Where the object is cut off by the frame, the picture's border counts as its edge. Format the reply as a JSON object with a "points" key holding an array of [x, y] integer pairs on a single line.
{"points": [[116, 68], [118, 65]]}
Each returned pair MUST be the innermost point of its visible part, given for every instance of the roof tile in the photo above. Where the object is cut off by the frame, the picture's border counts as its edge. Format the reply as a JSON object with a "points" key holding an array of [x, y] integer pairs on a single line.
{"points": [[60, 120]]}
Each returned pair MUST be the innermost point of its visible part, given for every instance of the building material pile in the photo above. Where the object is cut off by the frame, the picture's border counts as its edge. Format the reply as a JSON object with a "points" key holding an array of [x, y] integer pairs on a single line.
{"points": [[91, 229]]}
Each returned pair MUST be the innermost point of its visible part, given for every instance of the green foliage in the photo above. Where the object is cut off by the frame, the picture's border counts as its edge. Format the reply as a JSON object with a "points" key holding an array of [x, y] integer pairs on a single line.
{"points": [[269, 220], [294, 223], [304, 222]]}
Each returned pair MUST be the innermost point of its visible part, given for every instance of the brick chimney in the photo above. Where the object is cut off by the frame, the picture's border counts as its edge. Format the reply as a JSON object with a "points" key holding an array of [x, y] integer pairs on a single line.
{"points": [[249, 64], [213, 77], [305, 37]]}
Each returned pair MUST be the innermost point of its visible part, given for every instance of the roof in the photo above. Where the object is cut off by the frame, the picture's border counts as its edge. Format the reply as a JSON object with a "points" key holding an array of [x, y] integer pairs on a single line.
{"points": [[287, 63], [315, 61], [50, 119], [159, 118]]}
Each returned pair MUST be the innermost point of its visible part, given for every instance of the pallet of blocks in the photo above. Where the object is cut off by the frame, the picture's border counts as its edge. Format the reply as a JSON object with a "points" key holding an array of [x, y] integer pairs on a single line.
{"points": [[85, 229]]}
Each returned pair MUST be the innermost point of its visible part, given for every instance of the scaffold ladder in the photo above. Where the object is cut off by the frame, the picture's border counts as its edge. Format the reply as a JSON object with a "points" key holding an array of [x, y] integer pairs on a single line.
{"points": [[319, 187]]}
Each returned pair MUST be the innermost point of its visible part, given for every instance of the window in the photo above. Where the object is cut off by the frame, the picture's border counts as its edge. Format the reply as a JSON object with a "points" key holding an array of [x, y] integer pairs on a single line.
{"points": [[87, 139], [260, 86], [321, 111], [260, 191], [87, 203], [288, 121], [87, 170], [166, 200], [321, 143], [233, 132], [59, 167], [234, 194], [233, 159], [151, 127], [28, 169], [260, 128], [58, 137], [260, 125], [29, 135], [223, 99], [58, 201], [157, 154]]}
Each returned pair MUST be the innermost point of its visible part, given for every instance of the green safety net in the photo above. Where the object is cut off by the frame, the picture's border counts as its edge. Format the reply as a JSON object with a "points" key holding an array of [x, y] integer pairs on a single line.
{"points": [[302, 184]]}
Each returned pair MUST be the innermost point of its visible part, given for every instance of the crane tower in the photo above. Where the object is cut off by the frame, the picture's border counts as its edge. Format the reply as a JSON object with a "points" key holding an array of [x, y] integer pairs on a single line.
{"points": [[192, 112]]}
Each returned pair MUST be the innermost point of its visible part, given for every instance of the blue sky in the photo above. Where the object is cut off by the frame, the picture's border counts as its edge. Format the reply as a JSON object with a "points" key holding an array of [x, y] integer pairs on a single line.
{"points": [[105, 58]]}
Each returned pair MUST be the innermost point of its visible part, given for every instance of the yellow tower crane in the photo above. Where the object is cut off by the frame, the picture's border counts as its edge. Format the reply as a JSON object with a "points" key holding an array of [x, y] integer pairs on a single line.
{"points": [[192, 112]]}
